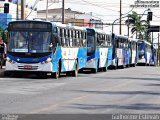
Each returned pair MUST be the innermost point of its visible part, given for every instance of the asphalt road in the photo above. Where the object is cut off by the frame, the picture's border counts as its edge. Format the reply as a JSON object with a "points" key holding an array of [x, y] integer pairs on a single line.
{"points": [[130, 90]]}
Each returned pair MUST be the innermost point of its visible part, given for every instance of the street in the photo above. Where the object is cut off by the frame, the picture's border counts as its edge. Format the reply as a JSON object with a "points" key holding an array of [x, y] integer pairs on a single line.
{"points": [[129, 90]]}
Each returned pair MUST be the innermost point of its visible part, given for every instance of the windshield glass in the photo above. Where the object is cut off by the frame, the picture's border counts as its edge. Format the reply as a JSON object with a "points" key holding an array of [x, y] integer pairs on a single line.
{"points": [[90, 44], [90, 41], [34, 42], [140, 46]]}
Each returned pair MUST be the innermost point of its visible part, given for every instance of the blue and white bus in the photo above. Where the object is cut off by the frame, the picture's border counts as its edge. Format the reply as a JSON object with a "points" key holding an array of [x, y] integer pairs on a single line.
{"points": [[133, 51], [153, 55], [45, 47], [144, 52], [120, 56], [99, 50]]}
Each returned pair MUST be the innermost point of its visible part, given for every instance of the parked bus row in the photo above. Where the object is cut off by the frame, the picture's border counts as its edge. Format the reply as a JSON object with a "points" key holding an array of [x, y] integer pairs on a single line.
{"points": [[55, 48]]}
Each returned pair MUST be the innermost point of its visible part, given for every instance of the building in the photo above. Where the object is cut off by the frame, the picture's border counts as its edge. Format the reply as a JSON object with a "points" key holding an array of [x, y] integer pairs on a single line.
{"points": [[73, 17], [29, 12]]}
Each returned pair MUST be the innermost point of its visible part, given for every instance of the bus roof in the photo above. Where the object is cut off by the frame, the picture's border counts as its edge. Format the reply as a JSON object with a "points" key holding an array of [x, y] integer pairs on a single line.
{"points": [[144, 42], [58, 24], [99, 31], [133, 39], [29, 21]]}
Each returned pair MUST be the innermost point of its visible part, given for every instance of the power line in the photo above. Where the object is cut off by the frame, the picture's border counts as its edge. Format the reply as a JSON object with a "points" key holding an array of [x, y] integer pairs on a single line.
{"points": [[156, 16], [99, 6], [35, 3]]}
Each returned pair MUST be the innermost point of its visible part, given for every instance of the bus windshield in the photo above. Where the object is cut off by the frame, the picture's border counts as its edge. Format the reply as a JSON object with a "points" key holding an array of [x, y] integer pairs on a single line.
{"points": [[140, 46], [33, 42]]}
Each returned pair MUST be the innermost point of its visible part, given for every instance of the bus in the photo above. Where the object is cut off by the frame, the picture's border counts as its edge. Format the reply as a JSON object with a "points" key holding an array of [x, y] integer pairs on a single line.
{"points": [[153, 56], [99, 50], [133, 51], [45, 48], [144, 52], [120, 55]]}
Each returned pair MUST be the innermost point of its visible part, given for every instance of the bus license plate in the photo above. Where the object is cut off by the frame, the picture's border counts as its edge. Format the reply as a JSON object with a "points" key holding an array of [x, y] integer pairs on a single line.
{"points": [[27, 67]]}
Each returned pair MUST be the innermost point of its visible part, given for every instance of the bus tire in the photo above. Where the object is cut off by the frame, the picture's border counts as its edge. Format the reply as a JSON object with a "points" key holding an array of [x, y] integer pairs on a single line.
{"points": [[57, 74], [105, 68], [75, 72], [134, 65], [95, 70]]}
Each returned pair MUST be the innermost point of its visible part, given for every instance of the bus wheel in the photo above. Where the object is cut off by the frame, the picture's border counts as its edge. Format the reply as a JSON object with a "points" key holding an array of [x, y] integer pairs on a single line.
{"points": [[95, 70], [75, 72], [57, 74], [105, 68], [134, 65]]}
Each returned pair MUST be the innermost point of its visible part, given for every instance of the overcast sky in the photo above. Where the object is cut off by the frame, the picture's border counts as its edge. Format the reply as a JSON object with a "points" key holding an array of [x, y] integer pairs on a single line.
{"points": [[106, 10]]}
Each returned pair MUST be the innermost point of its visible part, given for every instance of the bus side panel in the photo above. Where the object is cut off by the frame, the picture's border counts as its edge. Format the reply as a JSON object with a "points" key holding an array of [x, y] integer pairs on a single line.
{"points": [[103, 57], [92, 60], [148, 57], [82, 57], [109, 56], [126, 56], [69, 57], [120, 56], [56, 59], [133, 58]]}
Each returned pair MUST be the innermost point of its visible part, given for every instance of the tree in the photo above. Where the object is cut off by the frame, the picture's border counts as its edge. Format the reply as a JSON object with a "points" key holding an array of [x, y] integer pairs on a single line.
{"points": [[138, 25], [3, 34]]}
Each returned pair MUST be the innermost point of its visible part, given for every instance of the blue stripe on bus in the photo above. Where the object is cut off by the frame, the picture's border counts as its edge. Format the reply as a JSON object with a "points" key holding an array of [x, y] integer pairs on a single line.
{"points": [[28, 60]]}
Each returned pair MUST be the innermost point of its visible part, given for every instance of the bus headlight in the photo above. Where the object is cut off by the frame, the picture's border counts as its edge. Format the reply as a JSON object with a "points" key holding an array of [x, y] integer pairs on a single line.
{"points": [[9, 60], [47, 61]]}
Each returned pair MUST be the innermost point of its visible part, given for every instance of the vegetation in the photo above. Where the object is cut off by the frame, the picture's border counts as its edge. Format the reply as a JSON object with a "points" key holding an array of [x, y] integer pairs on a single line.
{"points": [[3, 34], [138, 26]]}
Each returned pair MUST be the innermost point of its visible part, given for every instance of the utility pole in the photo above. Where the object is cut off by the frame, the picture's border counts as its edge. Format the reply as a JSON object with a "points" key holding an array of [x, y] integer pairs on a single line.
{"points": [[128, 26], [22, 9], [152, 38], [47, 11], [17, 11], [120, 21], [63, 18], [158, 55]]}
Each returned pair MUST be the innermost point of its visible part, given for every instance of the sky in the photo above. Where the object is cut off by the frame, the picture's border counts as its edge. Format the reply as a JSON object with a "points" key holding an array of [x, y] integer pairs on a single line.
{"points": [[106, 10]]}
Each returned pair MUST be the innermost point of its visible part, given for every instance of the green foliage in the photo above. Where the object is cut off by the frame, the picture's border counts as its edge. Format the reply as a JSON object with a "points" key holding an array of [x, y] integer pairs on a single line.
{"points": [[137, 25], [3, 34], [1, 31]]}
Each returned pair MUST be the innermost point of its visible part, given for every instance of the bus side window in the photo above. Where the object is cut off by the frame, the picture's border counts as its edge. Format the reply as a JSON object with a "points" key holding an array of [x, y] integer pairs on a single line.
{"points": [[73, 37], [80, 38], [61, 36], [106, 40], [70, 37], [98, 40], [84, 38], [66, 37], [118, 42]]}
